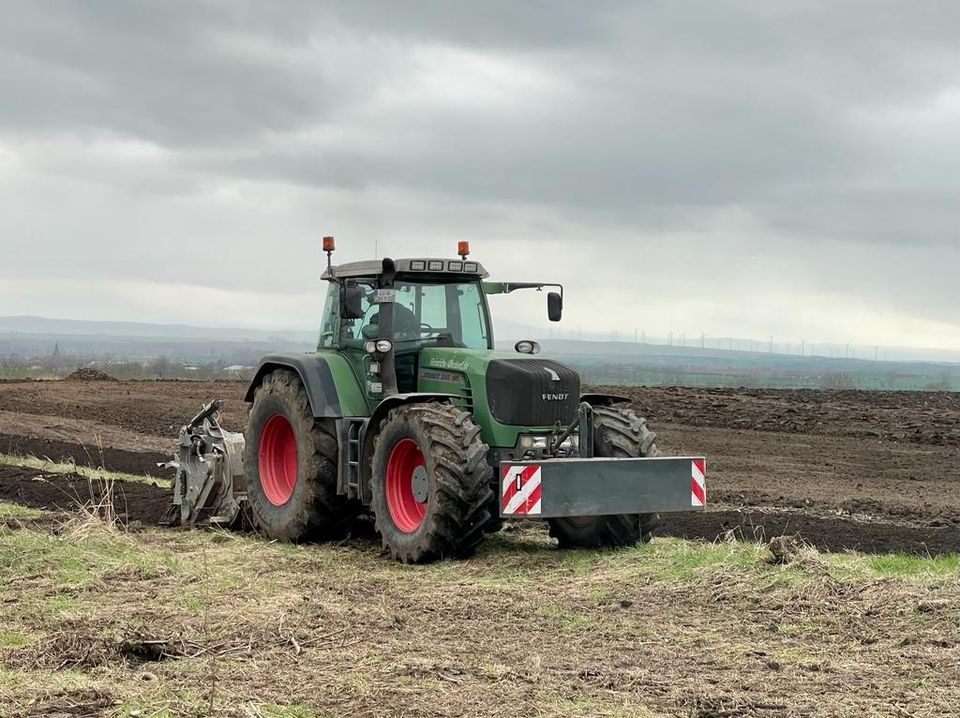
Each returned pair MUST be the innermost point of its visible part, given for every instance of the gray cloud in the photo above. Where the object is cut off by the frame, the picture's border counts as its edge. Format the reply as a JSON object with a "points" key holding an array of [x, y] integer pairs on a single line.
{"points": [[785, 154]]}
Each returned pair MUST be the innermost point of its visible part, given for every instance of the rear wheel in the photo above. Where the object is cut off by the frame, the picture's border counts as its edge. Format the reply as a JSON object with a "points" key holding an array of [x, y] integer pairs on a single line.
{"points": [[290, 461], [617, 433], [431, 483]]}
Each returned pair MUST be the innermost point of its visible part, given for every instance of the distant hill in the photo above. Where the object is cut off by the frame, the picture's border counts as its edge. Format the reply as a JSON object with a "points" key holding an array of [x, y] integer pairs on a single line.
{"points": [[33, 343], [74, 327]]}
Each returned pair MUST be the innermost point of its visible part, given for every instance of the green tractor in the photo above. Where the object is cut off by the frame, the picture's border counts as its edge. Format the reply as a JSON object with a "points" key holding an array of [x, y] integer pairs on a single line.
{"points": [[406, 410]]}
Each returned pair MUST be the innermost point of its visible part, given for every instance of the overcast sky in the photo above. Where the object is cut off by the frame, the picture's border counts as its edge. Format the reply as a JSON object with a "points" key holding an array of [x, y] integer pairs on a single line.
{"points": [[732, 168]]}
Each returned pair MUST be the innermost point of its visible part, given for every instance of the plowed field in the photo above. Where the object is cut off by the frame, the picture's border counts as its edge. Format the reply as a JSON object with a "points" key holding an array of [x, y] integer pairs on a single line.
{"points": [[873, 471]]}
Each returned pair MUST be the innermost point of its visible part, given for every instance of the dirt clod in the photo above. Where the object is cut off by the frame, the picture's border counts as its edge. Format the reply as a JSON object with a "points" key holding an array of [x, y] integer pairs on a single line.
{"points": [[89, 374], [141, 649], [783, 549]]}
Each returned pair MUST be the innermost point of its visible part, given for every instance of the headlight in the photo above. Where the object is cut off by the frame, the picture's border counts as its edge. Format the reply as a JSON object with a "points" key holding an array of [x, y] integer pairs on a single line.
{"points": [[527, 346], [370, 347], [384, 345], [533, 442]]}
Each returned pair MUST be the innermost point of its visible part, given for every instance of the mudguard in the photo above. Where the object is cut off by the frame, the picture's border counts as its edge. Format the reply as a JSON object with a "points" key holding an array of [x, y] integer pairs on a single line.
{"points": [[317, 376], [397, 399], [604, 399]]}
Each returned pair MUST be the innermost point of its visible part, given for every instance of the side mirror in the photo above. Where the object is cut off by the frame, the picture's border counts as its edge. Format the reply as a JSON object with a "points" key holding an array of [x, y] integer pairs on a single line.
{"points": [[351, 300], [554, 306]]}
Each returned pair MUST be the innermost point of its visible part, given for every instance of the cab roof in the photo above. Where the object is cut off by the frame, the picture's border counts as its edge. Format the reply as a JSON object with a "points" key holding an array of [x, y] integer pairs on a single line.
{"points": [[414, 265]]}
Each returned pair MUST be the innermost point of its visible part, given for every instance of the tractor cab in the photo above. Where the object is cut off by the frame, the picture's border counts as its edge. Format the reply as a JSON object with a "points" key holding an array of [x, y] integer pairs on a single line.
{"points": [[382, 315], [378, 312]]}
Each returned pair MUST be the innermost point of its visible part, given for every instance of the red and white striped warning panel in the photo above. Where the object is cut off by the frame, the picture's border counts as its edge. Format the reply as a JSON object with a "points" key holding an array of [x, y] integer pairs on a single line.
{"points": [[520, 490], [698, 483]]}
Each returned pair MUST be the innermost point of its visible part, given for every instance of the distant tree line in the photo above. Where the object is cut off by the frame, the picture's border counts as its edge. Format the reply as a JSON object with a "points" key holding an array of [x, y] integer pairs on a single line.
{"points": [[55, 366]]}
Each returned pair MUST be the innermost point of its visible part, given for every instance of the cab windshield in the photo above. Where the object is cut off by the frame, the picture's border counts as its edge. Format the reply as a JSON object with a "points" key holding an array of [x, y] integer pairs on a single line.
{"points": [[445, 314]]}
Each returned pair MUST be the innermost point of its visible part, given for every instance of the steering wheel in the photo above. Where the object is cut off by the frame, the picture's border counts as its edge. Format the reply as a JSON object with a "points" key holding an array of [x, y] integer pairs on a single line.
{"points": [[427, 329]]}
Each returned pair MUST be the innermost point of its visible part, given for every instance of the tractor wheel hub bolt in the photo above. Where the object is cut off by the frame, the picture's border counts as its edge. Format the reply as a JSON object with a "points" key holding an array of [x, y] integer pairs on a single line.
{"points": [[418, 483]]}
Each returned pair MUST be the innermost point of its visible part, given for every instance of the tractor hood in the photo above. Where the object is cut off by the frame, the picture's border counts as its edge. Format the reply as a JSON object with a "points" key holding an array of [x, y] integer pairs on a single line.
{"points": [[532, 392], [473, 361], [516, 389]]}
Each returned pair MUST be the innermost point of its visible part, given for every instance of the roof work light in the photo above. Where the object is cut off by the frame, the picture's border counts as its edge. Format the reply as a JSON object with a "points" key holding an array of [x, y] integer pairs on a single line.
{"points": [[328, 246]]}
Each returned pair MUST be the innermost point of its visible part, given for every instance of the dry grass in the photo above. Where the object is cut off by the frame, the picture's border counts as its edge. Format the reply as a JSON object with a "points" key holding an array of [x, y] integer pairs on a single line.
{"points": [[98, 621]]}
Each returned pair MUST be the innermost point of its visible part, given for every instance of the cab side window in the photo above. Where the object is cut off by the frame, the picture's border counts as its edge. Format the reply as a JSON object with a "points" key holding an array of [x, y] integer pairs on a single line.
{"points": [[473, 329], [433, 306], [418, 305], [331, 318]]}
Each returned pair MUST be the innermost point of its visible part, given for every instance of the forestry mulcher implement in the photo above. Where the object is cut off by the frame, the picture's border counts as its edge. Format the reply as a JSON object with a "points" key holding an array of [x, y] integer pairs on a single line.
{"points": [[406, 409]]}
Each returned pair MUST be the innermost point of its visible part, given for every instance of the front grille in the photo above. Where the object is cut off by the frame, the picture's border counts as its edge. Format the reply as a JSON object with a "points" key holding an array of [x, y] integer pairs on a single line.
{"points": [[532, 392]]}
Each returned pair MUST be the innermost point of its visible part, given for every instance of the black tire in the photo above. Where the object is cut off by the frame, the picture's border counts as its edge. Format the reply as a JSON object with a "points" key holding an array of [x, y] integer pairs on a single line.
{"points": [[618, 433], [456, 483], [313, 510]]}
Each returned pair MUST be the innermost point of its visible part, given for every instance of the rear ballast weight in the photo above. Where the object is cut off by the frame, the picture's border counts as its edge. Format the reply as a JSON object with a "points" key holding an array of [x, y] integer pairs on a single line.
{"points": [[408, 412], [556, 488]]}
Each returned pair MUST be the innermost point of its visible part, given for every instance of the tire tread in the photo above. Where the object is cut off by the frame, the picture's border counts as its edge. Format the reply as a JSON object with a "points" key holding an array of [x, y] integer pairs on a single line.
{"points": [[320, 513], [457, 524], [618, 432]]}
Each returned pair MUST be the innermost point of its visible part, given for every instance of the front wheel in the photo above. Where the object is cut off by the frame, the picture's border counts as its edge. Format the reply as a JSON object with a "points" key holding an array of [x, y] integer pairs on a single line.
{"points": [[617, 433], [431, 483]]}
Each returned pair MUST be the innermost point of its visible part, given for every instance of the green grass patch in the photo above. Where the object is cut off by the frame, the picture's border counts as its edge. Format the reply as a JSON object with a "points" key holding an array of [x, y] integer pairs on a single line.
{"points": [[60, 604], [569, 620], [59, 467], [294, 711], [685, 561], [160, 701], [594, 707], [77, 559], [16, 511], [14, 640], [903, 567], [19, 682], [669, 559], [897, 565]]}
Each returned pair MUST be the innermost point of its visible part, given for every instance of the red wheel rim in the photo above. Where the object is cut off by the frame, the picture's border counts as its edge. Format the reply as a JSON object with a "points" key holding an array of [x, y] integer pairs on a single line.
{"points": [[277, 460], [405, 510]]}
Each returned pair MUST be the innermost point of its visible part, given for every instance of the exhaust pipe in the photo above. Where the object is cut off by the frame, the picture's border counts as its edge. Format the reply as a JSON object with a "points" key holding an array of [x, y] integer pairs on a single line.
{"points": [[386, 296]]}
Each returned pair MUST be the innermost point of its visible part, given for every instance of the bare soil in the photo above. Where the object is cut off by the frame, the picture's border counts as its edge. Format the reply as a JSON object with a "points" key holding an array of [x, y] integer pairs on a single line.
{"points": [[122, 460], [132, 501]]}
